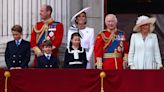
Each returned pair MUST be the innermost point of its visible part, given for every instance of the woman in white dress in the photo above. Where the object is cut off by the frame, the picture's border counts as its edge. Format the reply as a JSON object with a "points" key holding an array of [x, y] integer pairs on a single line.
{"points": [[87, 34], [144, 50]]}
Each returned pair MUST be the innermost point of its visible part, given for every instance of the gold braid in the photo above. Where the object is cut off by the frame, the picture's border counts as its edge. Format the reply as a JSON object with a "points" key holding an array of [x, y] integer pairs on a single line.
{"points": [[43, 27], [107, 40]]}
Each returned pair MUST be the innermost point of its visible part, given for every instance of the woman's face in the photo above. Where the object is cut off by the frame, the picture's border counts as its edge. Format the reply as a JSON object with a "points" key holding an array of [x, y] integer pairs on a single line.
{"points": [[81, 19], [145, 28], [76, 41]]}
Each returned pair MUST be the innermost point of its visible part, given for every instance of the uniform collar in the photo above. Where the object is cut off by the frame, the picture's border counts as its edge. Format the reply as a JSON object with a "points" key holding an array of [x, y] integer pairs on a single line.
{"points": [[48, 21]]}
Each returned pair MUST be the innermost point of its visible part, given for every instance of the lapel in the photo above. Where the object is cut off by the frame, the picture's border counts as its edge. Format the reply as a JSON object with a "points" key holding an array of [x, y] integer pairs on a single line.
{"points": [[140, 38], [21, 43], [14, 46], [149, 37], [45, 58]]}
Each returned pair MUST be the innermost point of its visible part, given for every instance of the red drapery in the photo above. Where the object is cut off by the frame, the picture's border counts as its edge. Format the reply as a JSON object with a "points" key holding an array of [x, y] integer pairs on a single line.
{"points": [[82, 80], [2, 82]]}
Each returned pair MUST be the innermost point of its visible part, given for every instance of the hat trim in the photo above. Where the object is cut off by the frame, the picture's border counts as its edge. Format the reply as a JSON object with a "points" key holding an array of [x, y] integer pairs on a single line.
{"points": [[83, 10], [150, 21]]}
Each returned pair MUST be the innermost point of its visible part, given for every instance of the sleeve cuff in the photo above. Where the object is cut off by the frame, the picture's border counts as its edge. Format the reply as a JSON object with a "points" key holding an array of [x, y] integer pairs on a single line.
{"points": [[99, 63], [125, 58], [37, 51]]}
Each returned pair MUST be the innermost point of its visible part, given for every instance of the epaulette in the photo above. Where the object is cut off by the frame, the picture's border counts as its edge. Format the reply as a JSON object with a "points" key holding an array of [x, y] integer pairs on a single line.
{"points": [[44, 26], [120, 31], [102, 32], [41, 22], [55, 23]]}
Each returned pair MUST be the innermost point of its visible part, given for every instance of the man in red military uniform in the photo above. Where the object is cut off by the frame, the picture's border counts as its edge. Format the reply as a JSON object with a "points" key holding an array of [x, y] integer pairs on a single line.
{"points": [[47, 29], [111, 47]]}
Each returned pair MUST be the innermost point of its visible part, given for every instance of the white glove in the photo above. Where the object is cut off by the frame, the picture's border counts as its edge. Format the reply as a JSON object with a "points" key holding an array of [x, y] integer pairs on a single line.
{"points": [[99, 65]]}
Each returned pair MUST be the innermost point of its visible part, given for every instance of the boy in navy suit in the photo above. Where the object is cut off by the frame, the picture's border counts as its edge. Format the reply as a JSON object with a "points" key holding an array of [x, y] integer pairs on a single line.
{"points": [[47, 60], [17, 53]]}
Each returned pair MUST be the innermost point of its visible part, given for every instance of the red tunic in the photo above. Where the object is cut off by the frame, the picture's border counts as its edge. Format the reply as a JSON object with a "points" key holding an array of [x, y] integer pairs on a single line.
{"points": [[54, 32], [113, 59]]}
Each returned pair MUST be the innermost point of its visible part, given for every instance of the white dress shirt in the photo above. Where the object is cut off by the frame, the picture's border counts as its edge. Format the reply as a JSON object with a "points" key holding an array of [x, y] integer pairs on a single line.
{"points": [[18, 42], [47, 55]]}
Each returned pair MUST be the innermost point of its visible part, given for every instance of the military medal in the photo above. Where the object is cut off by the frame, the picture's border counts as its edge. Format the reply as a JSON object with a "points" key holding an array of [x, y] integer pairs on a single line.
{"points": [[121, 44], [48, 38], [122, 38], [51, 34], [118, 37], [122, 48], [119, 48], [51, 29]]}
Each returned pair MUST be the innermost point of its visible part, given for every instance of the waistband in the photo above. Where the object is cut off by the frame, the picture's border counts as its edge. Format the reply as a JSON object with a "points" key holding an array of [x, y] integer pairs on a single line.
{"points": [[112, 55]]}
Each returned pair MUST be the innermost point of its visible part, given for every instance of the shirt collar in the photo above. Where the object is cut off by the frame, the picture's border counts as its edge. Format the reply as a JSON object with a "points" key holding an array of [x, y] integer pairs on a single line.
{"points": [[47, 54], [19, 40]]}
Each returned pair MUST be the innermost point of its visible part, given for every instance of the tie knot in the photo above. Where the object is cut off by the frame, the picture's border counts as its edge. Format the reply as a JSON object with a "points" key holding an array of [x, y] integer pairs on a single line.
{"points": [[17, 42], [48, 57]]}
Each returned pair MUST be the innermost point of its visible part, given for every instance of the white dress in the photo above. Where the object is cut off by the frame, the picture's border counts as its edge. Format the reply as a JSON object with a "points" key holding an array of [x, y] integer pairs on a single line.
{"points": [[144, 54], [87, 42]]}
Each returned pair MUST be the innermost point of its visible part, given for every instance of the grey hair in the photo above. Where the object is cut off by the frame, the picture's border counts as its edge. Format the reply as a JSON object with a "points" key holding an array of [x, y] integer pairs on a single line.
{"points": [[112, 15]]}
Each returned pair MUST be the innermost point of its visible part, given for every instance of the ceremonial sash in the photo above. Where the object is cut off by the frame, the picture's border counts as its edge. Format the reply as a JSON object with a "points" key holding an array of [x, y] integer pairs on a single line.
{"points": [[115, 43], [44, 33], [41, 38]]}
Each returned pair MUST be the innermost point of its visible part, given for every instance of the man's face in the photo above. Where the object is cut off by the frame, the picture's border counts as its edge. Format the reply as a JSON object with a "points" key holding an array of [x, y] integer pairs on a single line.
{"points": [[110, 22], [47, 49], [44, 14], [16, 35]]}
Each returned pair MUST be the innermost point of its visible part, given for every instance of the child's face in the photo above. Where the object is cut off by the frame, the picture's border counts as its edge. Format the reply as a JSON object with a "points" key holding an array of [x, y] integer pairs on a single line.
{"points": [[76, 41], [16, 35], [47, 49]]}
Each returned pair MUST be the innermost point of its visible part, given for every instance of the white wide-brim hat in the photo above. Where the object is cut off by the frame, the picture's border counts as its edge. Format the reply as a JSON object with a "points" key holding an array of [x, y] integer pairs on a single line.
{"points": [[83, 10], [142, 20]]}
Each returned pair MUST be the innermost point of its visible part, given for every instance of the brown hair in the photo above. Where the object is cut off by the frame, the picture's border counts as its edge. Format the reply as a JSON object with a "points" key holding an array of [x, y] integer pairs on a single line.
{"points": [[17, 28], [73, 35], [49, 8], [79, 15], [46, 43]]}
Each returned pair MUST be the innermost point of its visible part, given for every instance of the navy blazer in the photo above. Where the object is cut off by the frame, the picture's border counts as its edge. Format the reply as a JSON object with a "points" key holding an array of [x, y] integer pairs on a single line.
{"points": [[17, 56], [43, 62]]}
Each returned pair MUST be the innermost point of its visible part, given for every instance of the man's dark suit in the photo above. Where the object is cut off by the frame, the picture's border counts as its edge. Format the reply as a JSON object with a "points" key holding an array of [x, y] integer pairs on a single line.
{"points": [[43, 62], [17, 56]]}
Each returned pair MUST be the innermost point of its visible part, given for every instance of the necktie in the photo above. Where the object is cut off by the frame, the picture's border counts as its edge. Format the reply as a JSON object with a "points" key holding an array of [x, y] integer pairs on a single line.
{"points": [[48, 57], [17, 43]]}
